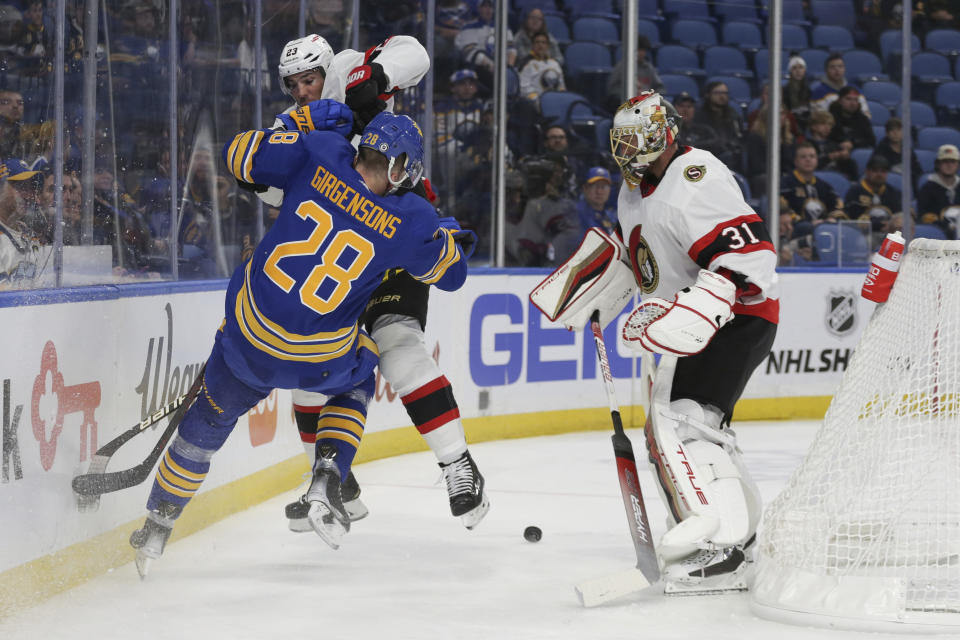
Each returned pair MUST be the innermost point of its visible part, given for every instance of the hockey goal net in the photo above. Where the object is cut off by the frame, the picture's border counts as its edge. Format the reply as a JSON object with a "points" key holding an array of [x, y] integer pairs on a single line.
{"points": [[866, 534]]}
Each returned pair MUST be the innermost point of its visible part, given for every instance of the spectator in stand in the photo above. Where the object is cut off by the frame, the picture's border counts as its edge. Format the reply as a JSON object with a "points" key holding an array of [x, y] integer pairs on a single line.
{"points": [[72, 209], [449, 20], [831, 156], [475, 43], [796, 93], [36, 43], [873, 199], [647, 76], [938, 201], [18, 249], [11, 123], [549, 232], [29, 189], [891, 148], [939, 14], [716, 113], [142, 43], [456, 118], [592, 206], [11, 29], [132, 245], [516, 202], [534, 24], [756, 146], [328, 19], [791, 121], [851, 123], [556, 140], [877, 16], [827, 91], [692, 133], [808, 201], [540, 72]]}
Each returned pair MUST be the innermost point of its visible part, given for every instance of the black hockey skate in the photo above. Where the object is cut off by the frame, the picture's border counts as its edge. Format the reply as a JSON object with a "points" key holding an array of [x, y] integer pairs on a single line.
{"points": [[296, 512], [151, 539], [326, 514], [468, 500]]}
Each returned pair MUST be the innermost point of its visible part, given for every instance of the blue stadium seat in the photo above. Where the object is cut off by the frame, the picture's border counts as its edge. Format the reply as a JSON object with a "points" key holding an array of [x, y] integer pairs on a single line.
{"points": [[687, 9], [890, 45], [737, 10], [929, 231], [596, 30], [815, 58], [926, 158], [931, 68], [525, 5], [587, 66], [836, 180], [744, 35], [694, 33], [835, 12], [860, 156], [793, 12], [840, 245], [879, 112], [887, 93], [580, 8], [793, 37], [863, 66], [895, 180], [560, 107], [947, 102], [945, 41], [761, 64], [921, 114], [832, 37], [932, 137], [649, 29], [558, 28], [727, 61], [675, 84], [674, 58], [879, 132], [646, 9]]}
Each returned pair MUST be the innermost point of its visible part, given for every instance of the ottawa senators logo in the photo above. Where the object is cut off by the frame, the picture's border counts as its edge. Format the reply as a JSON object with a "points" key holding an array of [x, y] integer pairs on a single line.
{"points": [[695, 172], [645, 269]]}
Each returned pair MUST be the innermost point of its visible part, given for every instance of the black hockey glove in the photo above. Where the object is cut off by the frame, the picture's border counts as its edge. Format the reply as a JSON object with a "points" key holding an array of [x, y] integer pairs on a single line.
{"points": [[365, 85], [467, 240], [252, 186]]}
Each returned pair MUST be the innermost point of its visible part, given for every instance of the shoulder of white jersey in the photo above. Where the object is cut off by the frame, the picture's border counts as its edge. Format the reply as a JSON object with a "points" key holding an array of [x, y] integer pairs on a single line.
{"points": [[335, 84]]}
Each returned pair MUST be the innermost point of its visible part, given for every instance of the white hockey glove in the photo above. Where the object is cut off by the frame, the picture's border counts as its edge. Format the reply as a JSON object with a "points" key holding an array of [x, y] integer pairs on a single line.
{"points": [[593, 278], [685, 326]]}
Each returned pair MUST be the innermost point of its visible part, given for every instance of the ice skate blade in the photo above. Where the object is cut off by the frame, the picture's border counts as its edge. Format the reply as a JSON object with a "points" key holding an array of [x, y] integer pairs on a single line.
{"points": [[326, 525], [680, 589], [473, 517], [142, 562]]}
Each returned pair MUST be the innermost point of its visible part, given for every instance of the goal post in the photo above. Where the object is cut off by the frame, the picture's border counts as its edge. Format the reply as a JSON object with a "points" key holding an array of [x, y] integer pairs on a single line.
{"points": [[866, 535]]}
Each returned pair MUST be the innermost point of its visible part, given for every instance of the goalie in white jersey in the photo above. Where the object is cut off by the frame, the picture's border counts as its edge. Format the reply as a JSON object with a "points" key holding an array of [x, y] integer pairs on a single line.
{"points": [[691, 241]]}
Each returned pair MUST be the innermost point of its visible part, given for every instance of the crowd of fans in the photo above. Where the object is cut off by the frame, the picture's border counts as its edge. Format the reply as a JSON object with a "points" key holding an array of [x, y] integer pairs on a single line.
{"points": [[561, 178]]}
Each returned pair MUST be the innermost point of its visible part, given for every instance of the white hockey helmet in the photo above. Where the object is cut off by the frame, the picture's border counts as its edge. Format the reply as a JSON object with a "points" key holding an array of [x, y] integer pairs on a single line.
{"points": [[643, 128], [304, 54]]}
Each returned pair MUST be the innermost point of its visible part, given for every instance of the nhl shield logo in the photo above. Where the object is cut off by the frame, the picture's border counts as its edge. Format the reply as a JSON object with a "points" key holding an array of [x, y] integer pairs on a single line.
{"points": [[841, 312]]}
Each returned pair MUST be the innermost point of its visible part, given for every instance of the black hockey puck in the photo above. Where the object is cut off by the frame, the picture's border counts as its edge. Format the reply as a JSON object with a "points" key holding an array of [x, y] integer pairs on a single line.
{"points": [[532, 534]]}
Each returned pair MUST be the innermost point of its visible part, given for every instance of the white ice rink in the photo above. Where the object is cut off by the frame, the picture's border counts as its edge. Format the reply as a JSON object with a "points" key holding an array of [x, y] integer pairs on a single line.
{"points": [[410, 570]]}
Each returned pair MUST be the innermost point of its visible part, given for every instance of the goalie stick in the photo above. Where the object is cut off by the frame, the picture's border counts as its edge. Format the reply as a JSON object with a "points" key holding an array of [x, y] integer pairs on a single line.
{"points": [[647, 572], [97, 481]]}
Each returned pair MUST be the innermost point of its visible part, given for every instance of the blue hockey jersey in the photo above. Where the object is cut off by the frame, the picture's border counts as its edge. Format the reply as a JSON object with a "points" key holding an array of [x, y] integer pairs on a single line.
{"points": [[295, 305]]}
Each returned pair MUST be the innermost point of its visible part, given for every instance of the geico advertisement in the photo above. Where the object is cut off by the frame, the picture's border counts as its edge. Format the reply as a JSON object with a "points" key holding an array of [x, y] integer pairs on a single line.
{"points": [[73, 377]]}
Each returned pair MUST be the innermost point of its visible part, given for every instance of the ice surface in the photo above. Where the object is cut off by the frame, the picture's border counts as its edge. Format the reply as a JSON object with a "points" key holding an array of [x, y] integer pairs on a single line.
{"points": [[410, 570]]}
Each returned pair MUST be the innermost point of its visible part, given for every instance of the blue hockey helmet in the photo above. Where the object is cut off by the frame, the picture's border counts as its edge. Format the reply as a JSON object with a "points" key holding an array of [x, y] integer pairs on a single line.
{"points": [[398, 138]]}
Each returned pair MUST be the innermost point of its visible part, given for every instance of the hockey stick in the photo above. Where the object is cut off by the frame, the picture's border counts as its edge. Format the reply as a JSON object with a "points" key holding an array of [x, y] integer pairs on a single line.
{"points": [[647, 572], [97, 481]]}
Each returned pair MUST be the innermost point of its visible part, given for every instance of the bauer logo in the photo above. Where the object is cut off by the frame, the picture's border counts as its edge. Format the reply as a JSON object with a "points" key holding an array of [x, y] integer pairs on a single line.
{"points": [[841, 315]]}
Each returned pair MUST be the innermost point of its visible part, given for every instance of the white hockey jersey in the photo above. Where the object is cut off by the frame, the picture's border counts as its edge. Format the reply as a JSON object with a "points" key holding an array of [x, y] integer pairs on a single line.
{"points": [[695, 217]]}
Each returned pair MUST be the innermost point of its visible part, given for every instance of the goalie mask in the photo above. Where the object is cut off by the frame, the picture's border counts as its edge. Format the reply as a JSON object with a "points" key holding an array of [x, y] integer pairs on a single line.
{"points": [[643, 128], [304, 54], [398, 138]]}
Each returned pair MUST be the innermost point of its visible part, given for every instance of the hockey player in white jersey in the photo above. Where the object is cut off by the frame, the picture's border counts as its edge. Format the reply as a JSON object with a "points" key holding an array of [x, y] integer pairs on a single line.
{"points": [[705, 260], [396, 315]]}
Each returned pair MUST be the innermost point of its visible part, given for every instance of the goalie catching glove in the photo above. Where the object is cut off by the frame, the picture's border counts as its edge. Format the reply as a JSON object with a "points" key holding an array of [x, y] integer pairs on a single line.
{"points": [[685, 326], [593, 278]]}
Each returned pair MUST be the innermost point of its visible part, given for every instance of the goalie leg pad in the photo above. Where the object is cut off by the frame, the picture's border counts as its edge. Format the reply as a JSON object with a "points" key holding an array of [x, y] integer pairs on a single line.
{"points": [[711, 496], [593, 278]]}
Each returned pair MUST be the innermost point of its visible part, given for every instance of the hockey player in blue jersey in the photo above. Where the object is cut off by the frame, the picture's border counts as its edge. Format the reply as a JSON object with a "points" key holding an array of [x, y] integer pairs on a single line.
{"points": [[292, 310]]}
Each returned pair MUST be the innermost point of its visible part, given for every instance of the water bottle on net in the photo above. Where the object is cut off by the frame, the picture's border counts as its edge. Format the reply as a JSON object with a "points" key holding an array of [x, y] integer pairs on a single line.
{"points": [[883, 269]]}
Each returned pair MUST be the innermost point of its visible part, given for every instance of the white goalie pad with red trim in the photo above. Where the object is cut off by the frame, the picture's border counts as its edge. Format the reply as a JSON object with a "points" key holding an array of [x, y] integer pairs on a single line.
{"points": [[595, 277]]}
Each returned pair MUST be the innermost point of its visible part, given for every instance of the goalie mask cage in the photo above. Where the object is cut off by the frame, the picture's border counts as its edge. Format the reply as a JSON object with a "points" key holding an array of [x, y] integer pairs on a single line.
{"points": [[866, 534]]}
